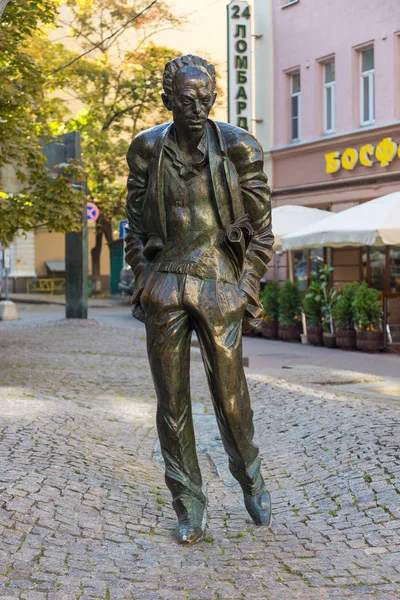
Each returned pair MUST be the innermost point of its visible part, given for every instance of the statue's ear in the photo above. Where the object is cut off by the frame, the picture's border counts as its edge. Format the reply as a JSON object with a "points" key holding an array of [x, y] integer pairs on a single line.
{"points": [[213, 99], [166, 101]]}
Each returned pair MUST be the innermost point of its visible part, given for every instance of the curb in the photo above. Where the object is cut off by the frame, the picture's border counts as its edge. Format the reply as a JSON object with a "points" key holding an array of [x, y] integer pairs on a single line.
{"points": [[49, 301]]}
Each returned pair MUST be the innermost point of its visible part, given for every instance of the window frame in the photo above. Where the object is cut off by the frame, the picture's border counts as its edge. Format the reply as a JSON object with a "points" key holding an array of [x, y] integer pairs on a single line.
{"points": [[298, 96], [332, 86], [370, 75]]}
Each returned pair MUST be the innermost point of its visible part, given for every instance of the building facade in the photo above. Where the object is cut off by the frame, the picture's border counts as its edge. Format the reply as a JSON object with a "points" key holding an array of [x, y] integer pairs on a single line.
{"points": [[40, 254], [335, 129], [36, 254]]}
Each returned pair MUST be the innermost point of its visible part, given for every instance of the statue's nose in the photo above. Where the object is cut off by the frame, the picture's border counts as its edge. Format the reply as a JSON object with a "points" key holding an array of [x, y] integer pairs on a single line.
{"points": [[197, 107]]}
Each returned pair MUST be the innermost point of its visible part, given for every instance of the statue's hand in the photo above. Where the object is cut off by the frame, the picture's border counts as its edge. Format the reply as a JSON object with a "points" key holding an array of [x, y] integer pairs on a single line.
{"points": [[137, 310]]}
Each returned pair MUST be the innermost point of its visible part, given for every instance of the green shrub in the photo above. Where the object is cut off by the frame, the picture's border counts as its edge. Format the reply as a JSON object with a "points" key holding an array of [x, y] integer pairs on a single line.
{"points": [[320, 300], [269, 298], [367, 309], [343, 311], [289, 304], [312, 303], [329, 298]]}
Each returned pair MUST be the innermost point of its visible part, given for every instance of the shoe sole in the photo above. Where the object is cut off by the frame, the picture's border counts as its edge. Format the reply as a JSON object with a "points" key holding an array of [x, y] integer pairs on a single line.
{"points": [[188, 543], [182, 542]]}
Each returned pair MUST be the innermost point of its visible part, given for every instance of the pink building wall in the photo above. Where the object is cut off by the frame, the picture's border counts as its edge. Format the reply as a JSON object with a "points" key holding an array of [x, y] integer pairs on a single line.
{"points": [[310, 30]]}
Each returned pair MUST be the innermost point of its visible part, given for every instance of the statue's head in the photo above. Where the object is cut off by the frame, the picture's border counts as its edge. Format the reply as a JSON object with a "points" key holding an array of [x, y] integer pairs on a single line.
{"points": [[189, 91]]}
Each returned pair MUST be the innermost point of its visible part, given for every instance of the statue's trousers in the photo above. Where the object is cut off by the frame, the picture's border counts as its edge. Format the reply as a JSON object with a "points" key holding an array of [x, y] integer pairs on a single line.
{"points": [[175, 305]]}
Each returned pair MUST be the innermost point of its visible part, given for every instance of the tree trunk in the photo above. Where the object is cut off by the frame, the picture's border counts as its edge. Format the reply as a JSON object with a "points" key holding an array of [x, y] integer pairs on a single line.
{"points": [[103, 226], [96, 251], [3, 4]]}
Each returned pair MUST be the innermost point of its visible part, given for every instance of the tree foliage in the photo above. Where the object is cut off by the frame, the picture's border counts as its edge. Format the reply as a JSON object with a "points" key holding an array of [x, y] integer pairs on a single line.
{"points": [[269, 298], [312, 303], [25, 111], [320, 300], [367, 309], [343, 312], [100, 73], [289, 303], [116, 82]]}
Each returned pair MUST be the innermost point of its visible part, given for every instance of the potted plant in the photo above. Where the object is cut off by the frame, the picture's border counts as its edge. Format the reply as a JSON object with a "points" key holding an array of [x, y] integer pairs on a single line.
{"points": [[329, 299], [344, 317], [289, 312], [269, 298], [368, 315], [312, 306]]}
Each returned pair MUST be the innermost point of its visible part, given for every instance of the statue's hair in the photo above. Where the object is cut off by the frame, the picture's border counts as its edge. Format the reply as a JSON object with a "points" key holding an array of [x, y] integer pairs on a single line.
{"points": [[188, 60]]}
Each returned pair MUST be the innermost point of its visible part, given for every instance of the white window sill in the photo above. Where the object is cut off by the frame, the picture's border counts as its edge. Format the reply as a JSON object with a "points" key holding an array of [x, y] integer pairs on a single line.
{"points": [[367, 123], [290, 4]]}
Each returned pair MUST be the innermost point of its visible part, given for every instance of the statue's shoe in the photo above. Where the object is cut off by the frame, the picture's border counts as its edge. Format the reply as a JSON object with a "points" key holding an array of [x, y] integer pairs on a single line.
{"points": [[259, 507], [186, 533]]}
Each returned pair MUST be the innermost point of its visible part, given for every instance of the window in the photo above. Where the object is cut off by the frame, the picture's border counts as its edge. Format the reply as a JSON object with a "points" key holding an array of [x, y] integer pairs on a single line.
{"points": [[367, 87], [300, 269], [365, 263], [295, 107], [329, 97], [394, 268], [316, 261], [377, 259]]}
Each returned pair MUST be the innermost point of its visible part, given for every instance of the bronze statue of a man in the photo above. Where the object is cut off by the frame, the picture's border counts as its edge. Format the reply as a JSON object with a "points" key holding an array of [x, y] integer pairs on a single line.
{"points": [[199, 240]]}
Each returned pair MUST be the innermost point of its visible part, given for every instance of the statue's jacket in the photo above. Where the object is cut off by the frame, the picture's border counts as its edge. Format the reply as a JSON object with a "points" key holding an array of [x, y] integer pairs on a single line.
{"points": [[240, 186]]}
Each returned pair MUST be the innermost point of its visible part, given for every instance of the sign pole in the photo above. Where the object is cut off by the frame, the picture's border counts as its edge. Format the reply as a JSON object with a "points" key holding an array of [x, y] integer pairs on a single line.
{"points": [[7, 264], [76, 271], [6, 281], [8, 310], [76, 248], [68, 147]]}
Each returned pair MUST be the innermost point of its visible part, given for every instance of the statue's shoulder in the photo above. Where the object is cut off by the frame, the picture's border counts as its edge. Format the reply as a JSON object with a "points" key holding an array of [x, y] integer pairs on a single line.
{"points": [[239, 142], [145, 141]]}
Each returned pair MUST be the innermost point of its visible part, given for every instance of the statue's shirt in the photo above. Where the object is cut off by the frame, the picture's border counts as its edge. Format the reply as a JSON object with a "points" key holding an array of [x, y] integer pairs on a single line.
{"points": [[193, 243]]}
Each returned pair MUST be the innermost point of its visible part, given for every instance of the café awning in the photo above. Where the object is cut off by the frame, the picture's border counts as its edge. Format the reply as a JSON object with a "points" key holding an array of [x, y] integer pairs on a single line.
{"points": [[373, 223], [291, 217]]}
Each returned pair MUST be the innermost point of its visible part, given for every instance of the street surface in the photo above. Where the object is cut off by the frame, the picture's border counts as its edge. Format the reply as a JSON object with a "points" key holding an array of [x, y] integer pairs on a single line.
{"points": [[84, 511], [262, 353]]}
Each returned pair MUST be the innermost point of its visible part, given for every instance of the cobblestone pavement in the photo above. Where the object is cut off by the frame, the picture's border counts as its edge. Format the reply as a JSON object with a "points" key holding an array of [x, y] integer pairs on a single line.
{"points": [[84, 512]]}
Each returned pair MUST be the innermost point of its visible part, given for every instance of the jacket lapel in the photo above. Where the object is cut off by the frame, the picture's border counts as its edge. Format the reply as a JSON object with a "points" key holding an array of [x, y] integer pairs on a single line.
{"points": [[159, 182], [224, 176], [220, 181]]}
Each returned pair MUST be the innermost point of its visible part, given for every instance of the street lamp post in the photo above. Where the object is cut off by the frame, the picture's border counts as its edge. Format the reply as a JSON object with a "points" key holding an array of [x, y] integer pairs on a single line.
{"points": [[68, 147]]}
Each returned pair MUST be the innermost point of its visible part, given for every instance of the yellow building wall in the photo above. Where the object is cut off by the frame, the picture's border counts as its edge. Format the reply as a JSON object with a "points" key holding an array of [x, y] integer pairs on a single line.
{"points": [[51, 246]]}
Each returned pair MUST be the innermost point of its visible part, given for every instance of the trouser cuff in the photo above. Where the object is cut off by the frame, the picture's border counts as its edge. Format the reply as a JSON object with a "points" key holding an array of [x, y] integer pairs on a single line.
{"points": [[189, 509], [250, 479]]}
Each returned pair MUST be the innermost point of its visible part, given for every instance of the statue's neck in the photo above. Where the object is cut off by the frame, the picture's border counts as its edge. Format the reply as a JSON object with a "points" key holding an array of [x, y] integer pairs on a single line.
{"points": [[188, 142]]}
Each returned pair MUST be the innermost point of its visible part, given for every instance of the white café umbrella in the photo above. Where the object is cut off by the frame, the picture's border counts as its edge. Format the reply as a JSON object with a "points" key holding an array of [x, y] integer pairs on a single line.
{"points": [[291, 217], [373, 223]]}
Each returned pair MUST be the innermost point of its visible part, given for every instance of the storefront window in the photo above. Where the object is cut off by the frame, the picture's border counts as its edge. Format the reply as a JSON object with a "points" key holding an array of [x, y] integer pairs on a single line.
{"points": [[364, 263], [316, 261], [328, 256], [395, 269], [300, 269], [377, 268]]}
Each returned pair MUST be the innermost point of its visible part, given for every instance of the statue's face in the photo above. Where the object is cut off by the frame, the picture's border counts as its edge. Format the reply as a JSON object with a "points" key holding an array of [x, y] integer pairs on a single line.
{"points": [[192, 99]]}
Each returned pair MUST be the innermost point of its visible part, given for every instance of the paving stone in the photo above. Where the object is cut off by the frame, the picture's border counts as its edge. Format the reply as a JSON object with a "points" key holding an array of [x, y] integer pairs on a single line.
{"points": [[84, 511]]}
